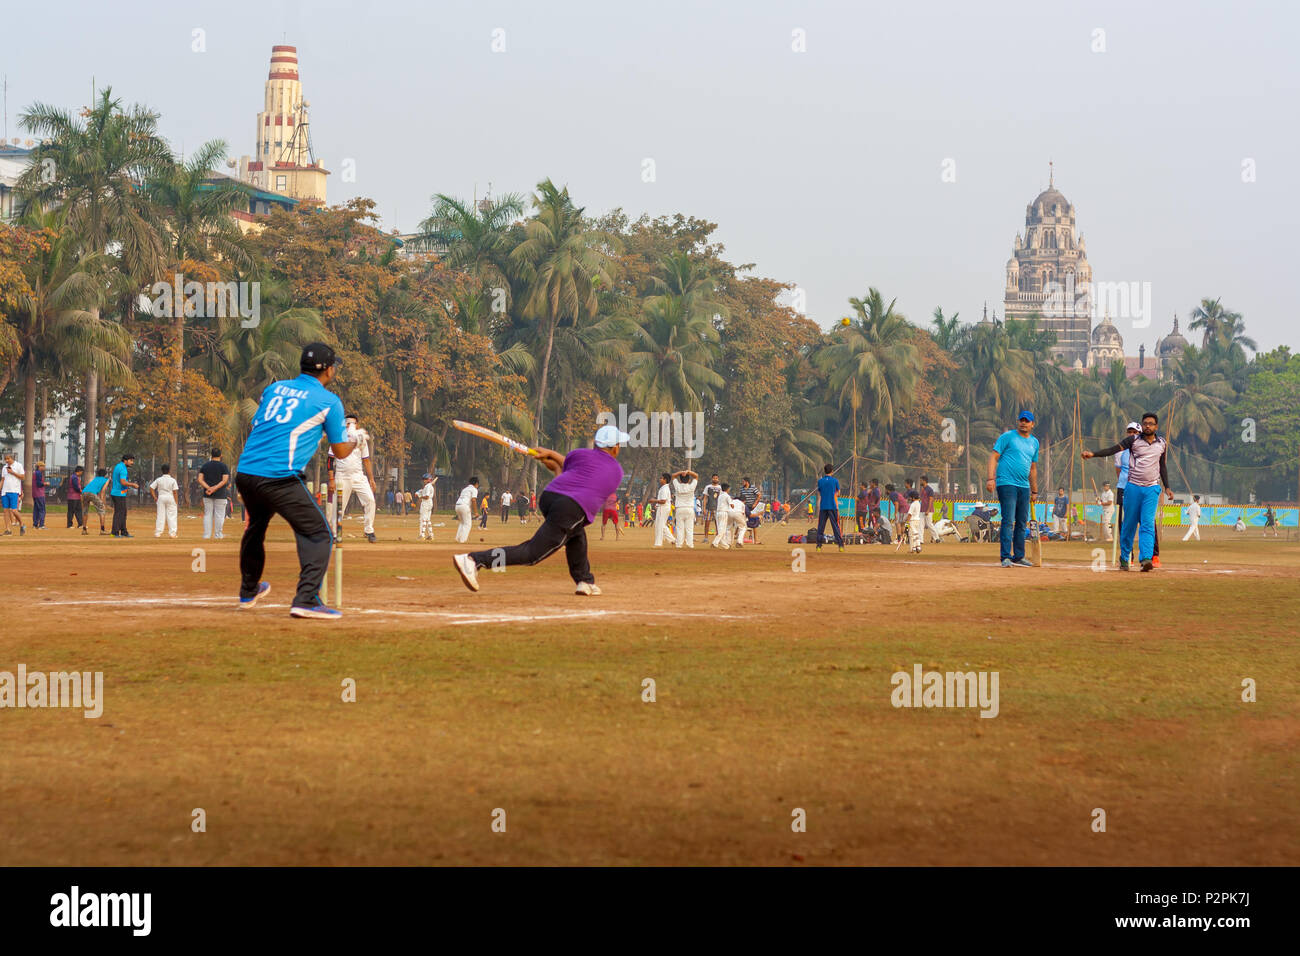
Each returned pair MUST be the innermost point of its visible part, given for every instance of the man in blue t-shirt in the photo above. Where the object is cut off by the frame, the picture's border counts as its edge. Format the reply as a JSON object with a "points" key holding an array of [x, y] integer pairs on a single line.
{"points": [[286, 430], [117, 491], [828, 506], [1013, 473]]}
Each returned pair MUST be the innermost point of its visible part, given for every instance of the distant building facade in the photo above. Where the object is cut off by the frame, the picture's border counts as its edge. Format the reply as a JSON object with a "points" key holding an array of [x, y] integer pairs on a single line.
{"points": [[283, 160], [1048, 276]]}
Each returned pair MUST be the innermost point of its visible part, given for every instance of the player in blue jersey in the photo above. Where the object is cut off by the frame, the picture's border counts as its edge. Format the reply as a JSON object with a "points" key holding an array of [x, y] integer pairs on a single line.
{"points": [[286, 431]]}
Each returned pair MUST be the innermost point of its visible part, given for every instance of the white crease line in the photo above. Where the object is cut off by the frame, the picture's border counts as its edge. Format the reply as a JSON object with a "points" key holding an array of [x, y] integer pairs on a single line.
{"points": [[452, 617]]}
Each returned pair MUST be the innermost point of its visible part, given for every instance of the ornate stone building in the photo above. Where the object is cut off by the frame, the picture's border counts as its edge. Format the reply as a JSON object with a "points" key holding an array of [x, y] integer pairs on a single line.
{"points": [[1048, 275], [1169, 349], [1107, 345]]}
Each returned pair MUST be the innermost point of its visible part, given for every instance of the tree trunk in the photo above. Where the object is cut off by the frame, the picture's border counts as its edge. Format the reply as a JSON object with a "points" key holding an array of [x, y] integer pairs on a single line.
{"points": [[102, 417], [401, 437], [92, 407], [541, 393], [29, 418], [45, 417]]}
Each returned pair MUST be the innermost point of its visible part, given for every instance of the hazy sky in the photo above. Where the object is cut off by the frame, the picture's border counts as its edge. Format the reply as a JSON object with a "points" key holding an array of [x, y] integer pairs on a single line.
{"points": [[822, 167]]}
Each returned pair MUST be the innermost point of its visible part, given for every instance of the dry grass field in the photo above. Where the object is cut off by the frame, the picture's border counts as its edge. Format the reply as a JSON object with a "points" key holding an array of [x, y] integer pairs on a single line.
{"points": [[773, 692]]}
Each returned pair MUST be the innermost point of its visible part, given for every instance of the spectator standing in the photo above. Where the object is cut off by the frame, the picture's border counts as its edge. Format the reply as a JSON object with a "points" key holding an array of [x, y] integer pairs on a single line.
{"points": [[74, 500], [120, 485], [38, 497], [214, 479], [1013, 473], [828, 506], [11, 493]]}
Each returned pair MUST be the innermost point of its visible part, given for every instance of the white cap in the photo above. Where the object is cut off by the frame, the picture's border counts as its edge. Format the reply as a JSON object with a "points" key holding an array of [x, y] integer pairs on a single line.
{"points": [[979, 504], [1135, 426], [607, 436]]}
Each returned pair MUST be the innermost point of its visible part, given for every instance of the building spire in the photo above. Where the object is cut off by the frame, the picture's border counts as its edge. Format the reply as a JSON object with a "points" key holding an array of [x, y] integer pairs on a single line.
{"points": [[1051, 174]]}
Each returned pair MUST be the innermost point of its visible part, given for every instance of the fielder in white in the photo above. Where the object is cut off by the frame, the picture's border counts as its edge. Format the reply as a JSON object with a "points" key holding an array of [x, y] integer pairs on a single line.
{"points": [[684, 506], [465, 509], [425, 494], [662, 499], [1194, 513], [355, 474], [915, 523], [722, 518], [163, 488], [736, 522], [1107, 502]]}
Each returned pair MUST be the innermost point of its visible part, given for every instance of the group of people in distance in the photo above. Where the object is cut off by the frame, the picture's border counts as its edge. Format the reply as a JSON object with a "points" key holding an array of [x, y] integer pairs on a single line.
{"points": [[730, 511]]}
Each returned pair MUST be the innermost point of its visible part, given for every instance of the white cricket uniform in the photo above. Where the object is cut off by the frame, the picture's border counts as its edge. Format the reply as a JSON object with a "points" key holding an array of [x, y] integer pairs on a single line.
{"points": [[915, 524], [684, 511], [465, 512], [350, 476], [1108, 513], [735, 521], [1194, 512], [165, 487], [723, 517], [661, 518], [425, 495]]}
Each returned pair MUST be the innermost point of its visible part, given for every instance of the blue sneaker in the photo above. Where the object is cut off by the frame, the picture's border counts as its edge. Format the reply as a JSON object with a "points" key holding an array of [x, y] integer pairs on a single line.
{"points": [[1022, 563], [1006, 562], [318, 611], [249, 602]]}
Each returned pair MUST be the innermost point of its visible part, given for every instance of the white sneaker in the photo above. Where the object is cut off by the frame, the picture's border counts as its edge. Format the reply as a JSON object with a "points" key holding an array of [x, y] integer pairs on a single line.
{"points": [[468, 570], [587, 589]]}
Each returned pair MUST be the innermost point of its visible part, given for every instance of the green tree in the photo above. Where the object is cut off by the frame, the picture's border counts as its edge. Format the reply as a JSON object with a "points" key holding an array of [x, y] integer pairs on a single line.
{"points": [[93, 167]]}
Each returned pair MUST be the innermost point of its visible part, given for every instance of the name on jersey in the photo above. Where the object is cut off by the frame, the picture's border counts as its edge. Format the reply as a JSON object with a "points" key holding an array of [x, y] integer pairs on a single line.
{"points": [[288, 392]]}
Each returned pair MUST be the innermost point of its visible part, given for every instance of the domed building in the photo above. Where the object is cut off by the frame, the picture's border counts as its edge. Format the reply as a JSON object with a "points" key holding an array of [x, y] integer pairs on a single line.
{"points": [[1048, 275], [1169, 349], [1107, 345]]}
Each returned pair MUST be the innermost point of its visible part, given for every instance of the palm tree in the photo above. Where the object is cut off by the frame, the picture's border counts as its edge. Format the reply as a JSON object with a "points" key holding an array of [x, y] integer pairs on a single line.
{"points": [[671, 357], [57, 325], [1211, 318], [93, 167], [1195, 409], [475, 235], [199, 229], [564, 262], [872, 362], [949, 334]]}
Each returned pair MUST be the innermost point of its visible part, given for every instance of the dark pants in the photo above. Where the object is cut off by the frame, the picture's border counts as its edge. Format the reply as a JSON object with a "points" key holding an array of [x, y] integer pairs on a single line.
{"points": [[828, 514], [74, 511], [287, 497], [1014, 502], [565, 526], [38, 512], [505, 513], [119, 514], [482, 521]]}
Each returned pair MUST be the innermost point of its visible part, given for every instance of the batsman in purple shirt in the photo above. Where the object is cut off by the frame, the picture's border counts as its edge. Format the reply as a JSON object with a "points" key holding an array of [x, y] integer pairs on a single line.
{"points": [[585, 477]]}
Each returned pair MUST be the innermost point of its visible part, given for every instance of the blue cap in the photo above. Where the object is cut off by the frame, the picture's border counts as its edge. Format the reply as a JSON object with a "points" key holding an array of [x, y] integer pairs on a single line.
{"points": [[1026, 415]]}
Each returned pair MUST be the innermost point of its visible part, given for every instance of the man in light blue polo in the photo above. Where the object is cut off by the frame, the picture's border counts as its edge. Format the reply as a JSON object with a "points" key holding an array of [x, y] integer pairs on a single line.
{"points": [[1013, 474], [286, 431]]}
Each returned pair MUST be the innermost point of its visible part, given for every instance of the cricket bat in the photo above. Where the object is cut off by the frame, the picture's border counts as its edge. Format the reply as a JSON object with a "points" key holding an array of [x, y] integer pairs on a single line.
{"points": [[1036, 547], [482, 432]]}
